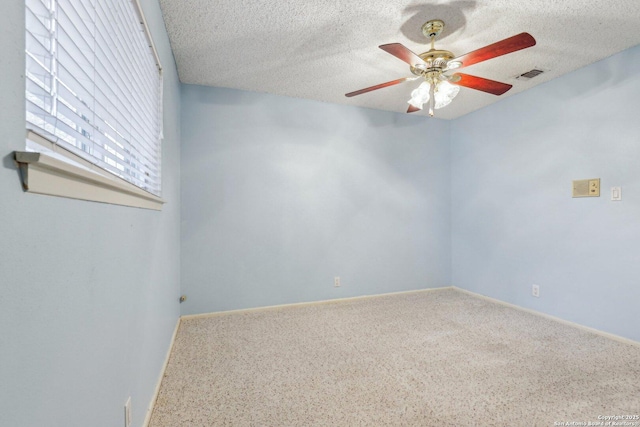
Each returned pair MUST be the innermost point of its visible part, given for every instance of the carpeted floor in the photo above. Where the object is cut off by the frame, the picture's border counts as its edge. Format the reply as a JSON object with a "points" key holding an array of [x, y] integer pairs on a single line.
{"points": [[433, 358]]}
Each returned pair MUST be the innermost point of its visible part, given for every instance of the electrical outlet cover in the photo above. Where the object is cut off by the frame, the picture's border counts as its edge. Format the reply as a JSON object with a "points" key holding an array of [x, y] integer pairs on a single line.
{"points": [[535, 290]]}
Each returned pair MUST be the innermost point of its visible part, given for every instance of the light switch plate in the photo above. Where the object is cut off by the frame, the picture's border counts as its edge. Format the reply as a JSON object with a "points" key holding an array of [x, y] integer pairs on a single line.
{"points": [[586, 188], [616, 193]]}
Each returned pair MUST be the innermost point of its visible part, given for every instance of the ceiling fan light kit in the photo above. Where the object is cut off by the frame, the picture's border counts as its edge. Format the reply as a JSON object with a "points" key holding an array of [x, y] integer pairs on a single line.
{"points": [[438, 87], [444, 92]]}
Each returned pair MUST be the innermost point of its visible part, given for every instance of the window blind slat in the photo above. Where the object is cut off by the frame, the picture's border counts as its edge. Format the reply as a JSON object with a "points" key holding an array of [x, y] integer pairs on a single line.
{"points": [[113, 43], [123, 122], [81, 25], [39, 48], [99, 115], [110, 115], [100, 155], [80, 52], [94, 86]]}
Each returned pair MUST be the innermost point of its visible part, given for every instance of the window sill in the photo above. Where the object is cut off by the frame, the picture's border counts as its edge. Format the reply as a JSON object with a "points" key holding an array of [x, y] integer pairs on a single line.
{"points": [[45, 174]]}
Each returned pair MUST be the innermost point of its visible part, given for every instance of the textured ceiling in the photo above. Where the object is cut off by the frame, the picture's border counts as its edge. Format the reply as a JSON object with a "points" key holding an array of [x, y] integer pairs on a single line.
{"points": [[321, 49]]}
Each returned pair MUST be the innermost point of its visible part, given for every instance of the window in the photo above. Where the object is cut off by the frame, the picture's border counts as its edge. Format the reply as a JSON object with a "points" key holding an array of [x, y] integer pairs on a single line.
{"points": [[94, 85]]}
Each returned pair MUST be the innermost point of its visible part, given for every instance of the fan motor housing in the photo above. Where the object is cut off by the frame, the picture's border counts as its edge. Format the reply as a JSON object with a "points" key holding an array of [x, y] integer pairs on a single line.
{"points": [[436, 60]]}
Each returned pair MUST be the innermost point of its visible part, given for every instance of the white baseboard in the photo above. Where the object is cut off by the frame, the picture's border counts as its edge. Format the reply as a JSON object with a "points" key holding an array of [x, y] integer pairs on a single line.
{"points": [[147, 418], [302, 304], [556, 319]]}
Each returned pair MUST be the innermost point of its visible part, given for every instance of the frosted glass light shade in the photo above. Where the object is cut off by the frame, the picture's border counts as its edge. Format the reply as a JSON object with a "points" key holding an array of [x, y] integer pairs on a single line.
{"points": [[443, 94], [420, 95]]}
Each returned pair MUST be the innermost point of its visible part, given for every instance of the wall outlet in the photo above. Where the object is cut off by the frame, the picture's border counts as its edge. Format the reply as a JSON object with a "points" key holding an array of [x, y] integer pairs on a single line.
{"points": [[127, 413], [336, 282], [535, 291]]}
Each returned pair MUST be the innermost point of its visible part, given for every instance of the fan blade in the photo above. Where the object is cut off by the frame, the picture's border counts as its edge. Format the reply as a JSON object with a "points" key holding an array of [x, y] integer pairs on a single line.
{"points": [[480, 83], [380, 86], [403, 53], [412, 109], [512, 44]]}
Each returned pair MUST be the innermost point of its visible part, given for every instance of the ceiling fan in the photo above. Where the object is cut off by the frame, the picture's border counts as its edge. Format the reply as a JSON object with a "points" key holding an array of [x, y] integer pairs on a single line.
{"points": [[438, 87]]}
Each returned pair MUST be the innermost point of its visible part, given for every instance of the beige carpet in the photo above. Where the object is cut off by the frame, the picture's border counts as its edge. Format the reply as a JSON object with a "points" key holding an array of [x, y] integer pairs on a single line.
{"points": [[434, 358]]}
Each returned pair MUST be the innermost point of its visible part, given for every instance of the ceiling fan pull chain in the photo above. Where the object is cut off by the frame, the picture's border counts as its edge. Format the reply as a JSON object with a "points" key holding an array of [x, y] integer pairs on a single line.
{"points": [[432, 97]]}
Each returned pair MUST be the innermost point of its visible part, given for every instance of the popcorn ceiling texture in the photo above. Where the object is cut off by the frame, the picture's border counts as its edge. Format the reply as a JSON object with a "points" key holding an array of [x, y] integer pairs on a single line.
{"points": [[320, 49], [432, 358]]}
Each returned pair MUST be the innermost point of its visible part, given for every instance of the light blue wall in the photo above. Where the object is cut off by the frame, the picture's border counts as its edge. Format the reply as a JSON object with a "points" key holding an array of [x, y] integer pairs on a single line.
{"points": [[88, 291], [279, 195], [514, 221]]}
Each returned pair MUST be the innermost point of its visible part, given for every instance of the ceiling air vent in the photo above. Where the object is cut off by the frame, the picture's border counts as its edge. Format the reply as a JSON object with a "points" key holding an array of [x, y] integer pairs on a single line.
{"points": [[530, 74]]}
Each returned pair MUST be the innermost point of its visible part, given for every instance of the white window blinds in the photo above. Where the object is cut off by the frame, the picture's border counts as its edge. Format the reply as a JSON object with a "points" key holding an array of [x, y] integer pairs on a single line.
{"points": [[94, 85]]}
